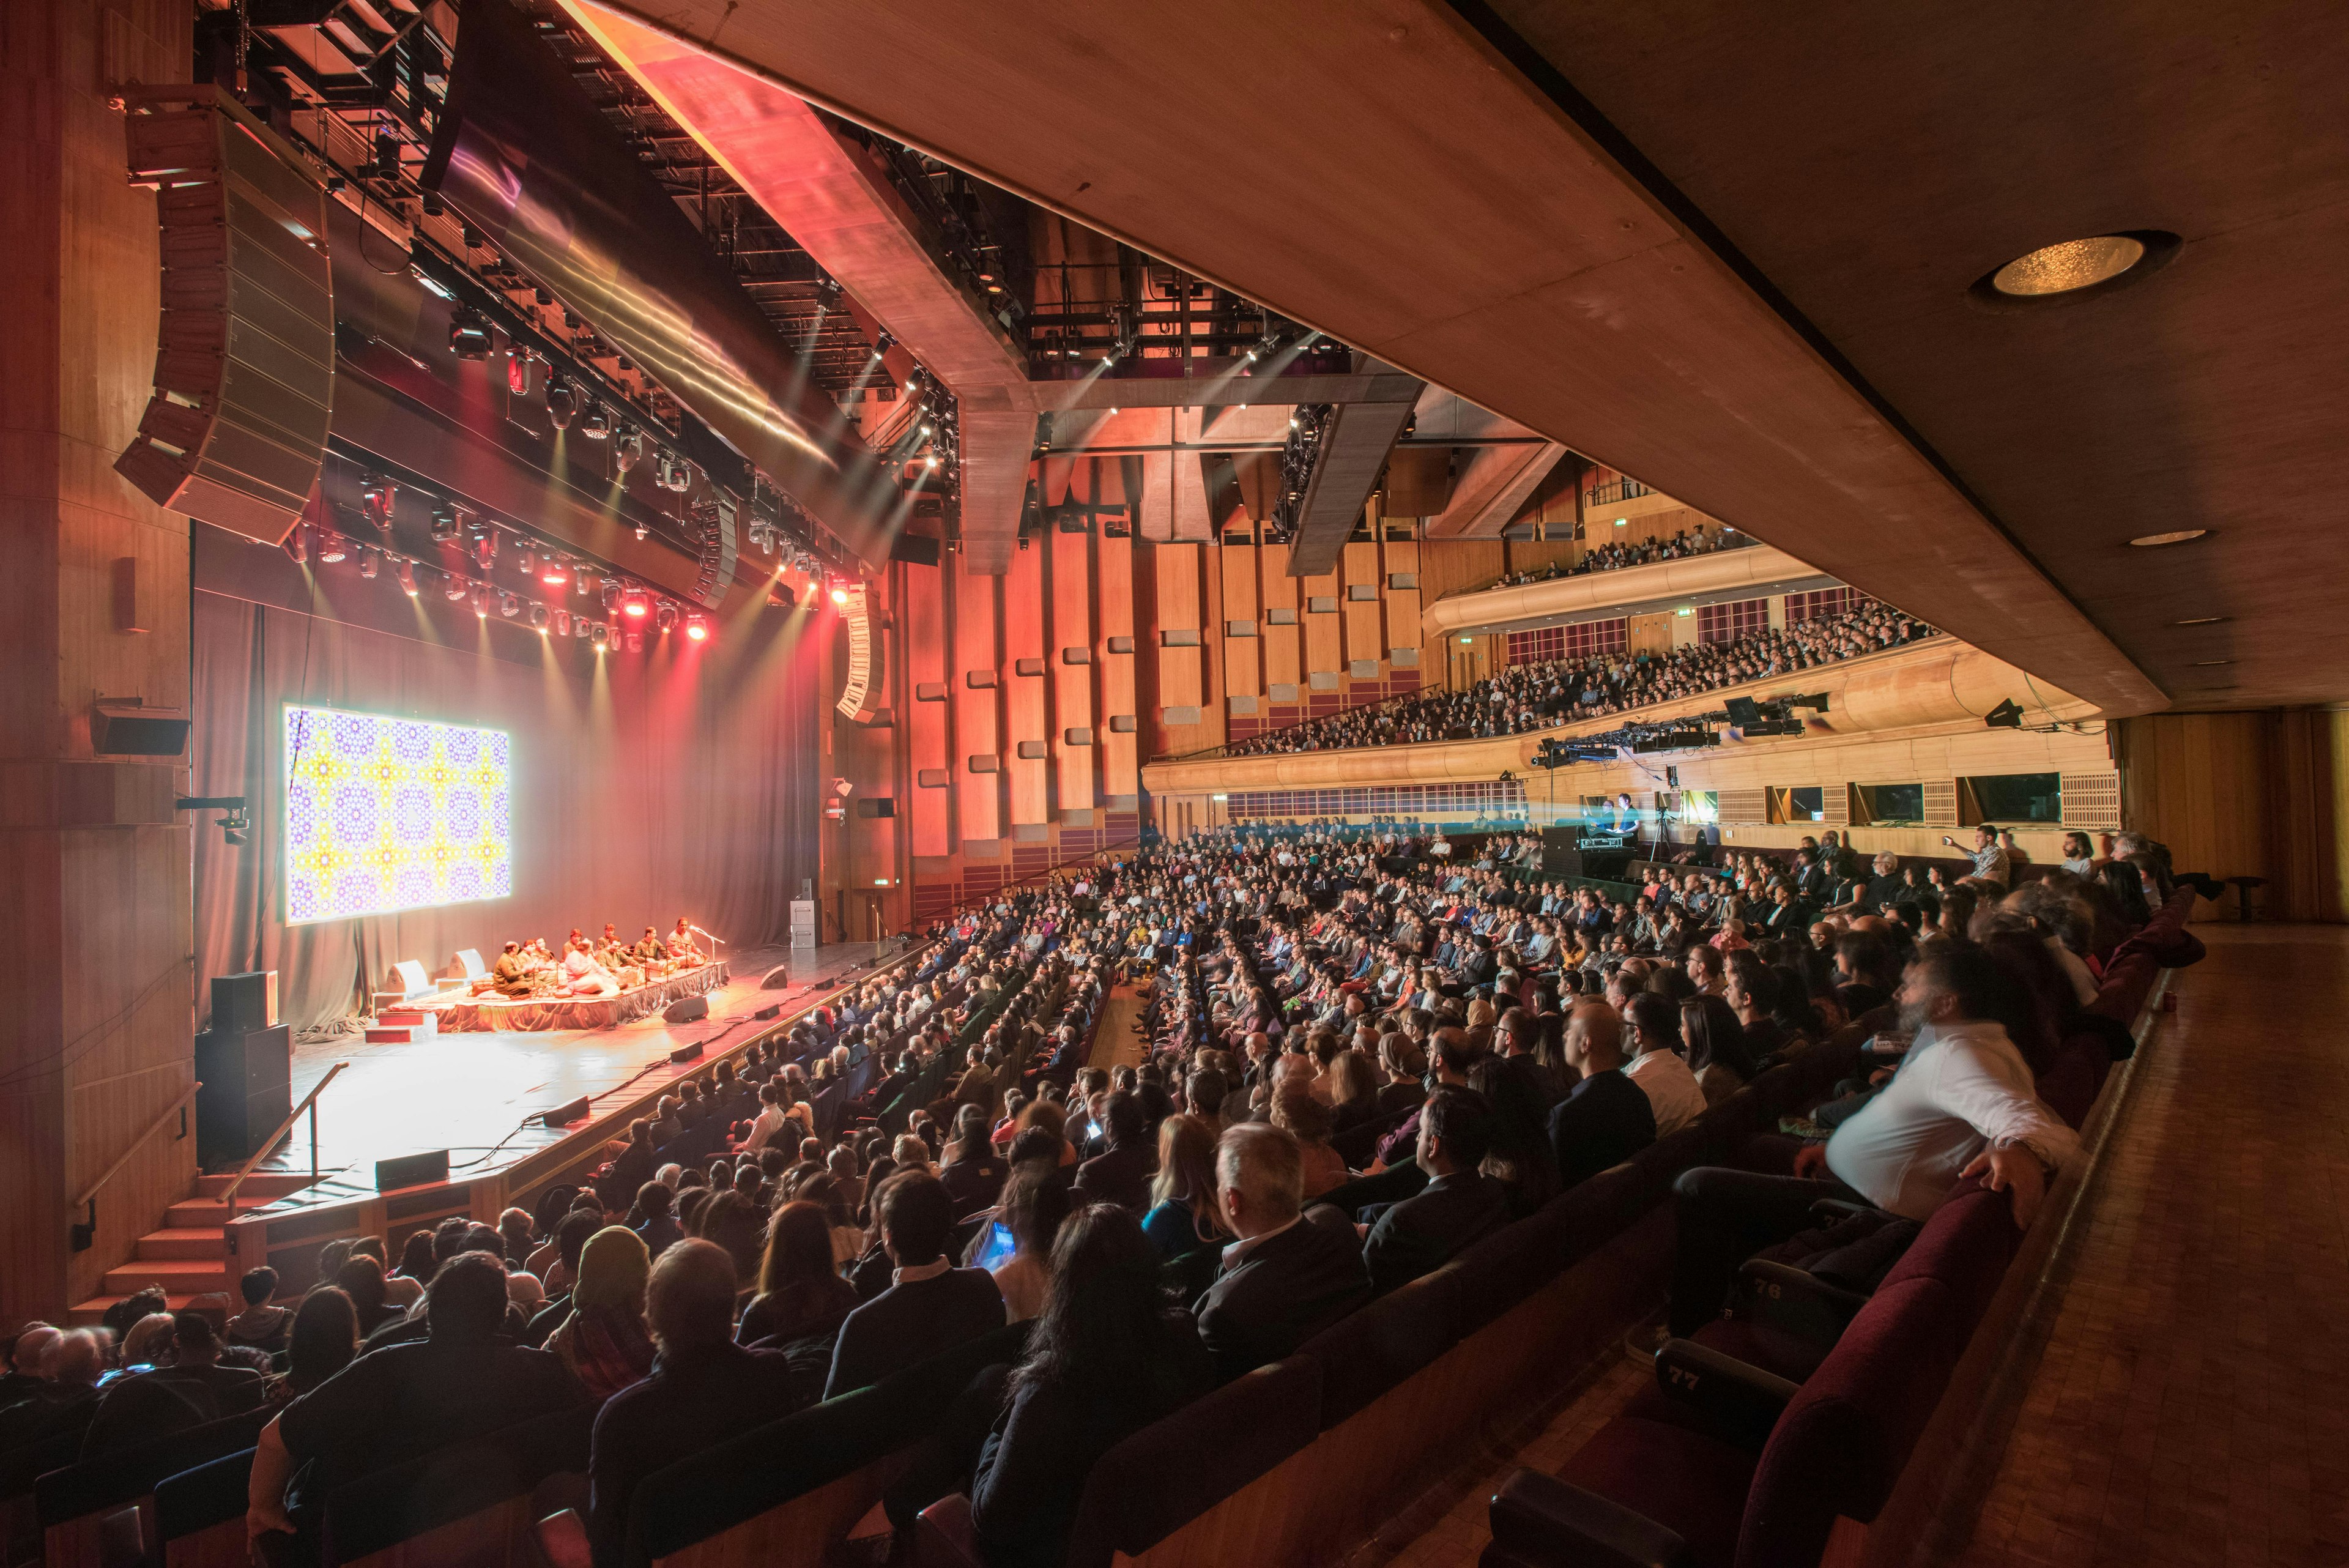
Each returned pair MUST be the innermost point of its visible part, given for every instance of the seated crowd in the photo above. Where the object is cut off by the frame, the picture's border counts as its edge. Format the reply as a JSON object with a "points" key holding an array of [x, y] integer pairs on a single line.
{"points": [[1697, 541], [1525, 698], [1347, 1074]]}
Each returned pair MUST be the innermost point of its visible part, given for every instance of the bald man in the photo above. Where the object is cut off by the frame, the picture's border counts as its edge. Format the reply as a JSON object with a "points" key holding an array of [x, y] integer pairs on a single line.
{"points": [[1604, 1119]]}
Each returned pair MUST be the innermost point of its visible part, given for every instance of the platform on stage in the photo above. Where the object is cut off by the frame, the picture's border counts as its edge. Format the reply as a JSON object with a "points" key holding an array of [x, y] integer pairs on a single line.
{"points": [[478, 1094]]}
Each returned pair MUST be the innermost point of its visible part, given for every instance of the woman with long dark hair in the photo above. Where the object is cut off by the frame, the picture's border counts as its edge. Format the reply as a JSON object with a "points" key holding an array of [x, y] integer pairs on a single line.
{"points": [[325, 1338], [1714, 1042], [800, 1292], [1108, 1356]]}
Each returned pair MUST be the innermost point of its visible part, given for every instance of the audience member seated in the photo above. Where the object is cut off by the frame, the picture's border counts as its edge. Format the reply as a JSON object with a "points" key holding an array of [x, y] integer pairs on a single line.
{"points": [[930, 1304], [1036, 1204], [324, 1339], [1961, 1102], [703, 1389], [1290, 1274], [802, 1296], [395, 1404], [1660, 1073], [1305, 1117], [603, 1341], [658, 1224], [1183, 1218], [972, 1171], [1107, 1358], [1459, 1205], [1604, 1119], [262, 1325], [186, 1388], [1121, 1173]]}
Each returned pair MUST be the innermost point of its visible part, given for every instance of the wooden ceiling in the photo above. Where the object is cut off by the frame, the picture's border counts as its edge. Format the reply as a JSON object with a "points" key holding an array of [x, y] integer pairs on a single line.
{"points": [[1728, 254]]}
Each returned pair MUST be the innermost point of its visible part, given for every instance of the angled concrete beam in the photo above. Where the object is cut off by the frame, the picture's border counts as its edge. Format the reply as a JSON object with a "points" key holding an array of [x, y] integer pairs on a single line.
{"points": [[1353, 449], [1495, 482]]}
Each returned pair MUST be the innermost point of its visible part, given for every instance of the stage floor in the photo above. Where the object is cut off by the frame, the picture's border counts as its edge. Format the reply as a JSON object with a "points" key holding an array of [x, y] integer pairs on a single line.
{"points": [[473, 1094]]}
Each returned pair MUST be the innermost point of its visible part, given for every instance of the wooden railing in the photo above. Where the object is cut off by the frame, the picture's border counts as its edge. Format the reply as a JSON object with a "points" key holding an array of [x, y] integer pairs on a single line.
{"points": [[310, 1104], [85, 1229]]}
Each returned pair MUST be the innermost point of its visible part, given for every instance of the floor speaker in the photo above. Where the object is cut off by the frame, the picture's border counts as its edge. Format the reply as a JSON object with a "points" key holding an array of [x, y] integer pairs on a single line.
{"points": [[411, 1170], [776, 978], [248, 1001], [688, 1010], [247, 1077], [244, 369]]}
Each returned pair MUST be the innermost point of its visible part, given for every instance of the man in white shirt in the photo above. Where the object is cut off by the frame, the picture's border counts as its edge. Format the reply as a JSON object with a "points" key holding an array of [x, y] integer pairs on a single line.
{"points": [[1664, 1077], [1963, 1103]]}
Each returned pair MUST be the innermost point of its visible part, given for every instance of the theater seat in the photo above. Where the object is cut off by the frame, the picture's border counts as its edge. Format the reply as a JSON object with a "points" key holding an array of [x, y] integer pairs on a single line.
{"points": [[200, 1514], [75, 1504], [1364, 1356], [468, 1496]]}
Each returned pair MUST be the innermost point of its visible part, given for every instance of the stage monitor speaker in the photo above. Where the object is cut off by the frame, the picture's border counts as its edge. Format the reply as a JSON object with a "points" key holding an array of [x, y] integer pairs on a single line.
{"points": [[134, 729], [245, 370], [685, 1054], [564, 1115], [1743, 710], [247, 1000], [247, 1077], [776, 978], [688, 1010], [773, 1010], [411, 1170]]}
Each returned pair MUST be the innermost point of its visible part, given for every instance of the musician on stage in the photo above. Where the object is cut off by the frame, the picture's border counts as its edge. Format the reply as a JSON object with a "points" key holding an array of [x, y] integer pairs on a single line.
{"points": [[583, 976], [649, 950], [511, 974], [682, 946]]}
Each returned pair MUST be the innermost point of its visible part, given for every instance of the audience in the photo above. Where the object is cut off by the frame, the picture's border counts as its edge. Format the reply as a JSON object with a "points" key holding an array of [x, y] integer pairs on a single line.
{"points": [[1289, 1274], [1604, 1119], [1183, 1216], [603, 1341], [930, 1305], [1460, 1203]]}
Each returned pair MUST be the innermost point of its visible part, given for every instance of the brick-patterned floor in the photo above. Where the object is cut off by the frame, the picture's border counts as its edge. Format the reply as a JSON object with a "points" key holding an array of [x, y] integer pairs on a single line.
{"points": [[2193, 1404]]}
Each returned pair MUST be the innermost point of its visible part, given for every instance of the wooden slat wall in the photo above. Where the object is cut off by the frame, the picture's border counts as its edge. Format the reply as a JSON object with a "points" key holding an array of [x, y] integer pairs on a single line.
{"points": [[1365, 620], [979, 730], [1181, 671], [1023, 639], [2260, 793], [1072, 631], [1242, 656], [1114, 672], [927, 730], [1404, 604]]}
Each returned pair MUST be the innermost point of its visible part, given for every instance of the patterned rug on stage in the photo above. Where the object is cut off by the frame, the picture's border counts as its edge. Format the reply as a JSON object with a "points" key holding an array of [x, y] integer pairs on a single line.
{"points": [[474, 1014]]}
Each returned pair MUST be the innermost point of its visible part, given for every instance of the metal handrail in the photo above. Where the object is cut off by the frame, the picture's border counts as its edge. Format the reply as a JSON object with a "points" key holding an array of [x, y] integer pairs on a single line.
{"points": [[85, 1231], [310, 1104]]}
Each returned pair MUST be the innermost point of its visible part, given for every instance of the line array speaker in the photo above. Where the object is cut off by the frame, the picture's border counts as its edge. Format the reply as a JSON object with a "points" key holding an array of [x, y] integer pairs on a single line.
{"points": [[244, 364]]}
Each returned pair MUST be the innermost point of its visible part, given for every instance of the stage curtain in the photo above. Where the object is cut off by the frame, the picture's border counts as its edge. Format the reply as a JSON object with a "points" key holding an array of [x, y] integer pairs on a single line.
{"points": [[682, 781]]}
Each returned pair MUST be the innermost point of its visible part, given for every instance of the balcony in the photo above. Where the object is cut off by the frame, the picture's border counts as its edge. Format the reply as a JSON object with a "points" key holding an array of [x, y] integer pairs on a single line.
{"points": [[1753, 572]]}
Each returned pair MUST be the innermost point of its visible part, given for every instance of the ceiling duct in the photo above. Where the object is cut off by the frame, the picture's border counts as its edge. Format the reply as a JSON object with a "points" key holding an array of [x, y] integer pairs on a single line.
{"points": [[525, 157]]}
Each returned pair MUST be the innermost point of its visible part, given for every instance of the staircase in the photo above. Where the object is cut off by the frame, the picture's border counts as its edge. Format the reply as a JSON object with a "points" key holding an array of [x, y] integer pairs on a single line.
{"points": [[188, 1256]]}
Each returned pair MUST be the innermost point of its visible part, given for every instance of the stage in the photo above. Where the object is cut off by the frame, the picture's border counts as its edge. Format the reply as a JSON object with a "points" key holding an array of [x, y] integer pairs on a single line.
{"points": [[478, 1094]]}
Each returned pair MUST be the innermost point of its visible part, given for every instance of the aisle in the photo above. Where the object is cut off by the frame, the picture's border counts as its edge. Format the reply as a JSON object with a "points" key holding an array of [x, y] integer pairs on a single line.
{"points": [[1116, 1044], [2193, 1404]]}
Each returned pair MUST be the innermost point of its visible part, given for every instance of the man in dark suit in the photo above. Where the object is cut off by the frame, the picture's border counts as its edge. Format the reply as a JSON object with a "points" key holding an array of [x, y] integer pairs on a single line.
{"points": [[1605, 1118], [702, 1390], [1121, 1173], [930, 1306], [1288, 1275], [1459, 1205]]}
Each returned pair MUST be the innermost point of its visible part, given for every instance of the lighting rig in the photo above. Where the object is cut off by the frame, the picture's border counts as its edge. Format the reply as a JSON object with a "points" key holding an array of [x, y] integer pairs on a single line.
{"points": [[1752, 718]]}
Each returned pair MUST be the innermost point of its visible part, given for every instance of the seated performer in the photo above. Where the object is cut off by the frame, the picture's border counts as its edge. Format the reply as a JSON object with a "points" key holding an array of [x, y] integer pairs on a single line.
{"points": [[583, 976], [682, 946], [649, 953], [510, 977]]}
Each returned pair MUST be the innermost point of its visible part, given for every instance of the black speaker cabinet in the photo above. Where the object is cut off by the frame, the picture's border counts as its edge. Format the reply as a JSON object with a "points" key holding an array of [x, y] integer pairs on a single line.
{"points": [[411, 1170], [248, 1090], [247, 1000]]}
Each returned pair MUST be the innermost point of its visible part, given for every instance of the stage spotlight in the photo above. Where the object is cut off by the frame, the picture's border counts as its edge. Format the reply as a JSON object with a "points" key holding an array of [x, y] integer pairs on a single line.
{"points": [[368, 562], [375, 498], [840, 596], [596, 424], [485, 548], [628, 450], [330, 548], [636, 602], [636, 642], [562, 404], [680, 476], [481, 602], [468, 334], [447, 523], [297, 543], [528, 561], [611, 594], [518, 374], [666, 618], [883, 344], [539, 618], [696, 627], [454, 587], [562, 622], [553, 573], [2005, 716], [583, 582], [598, 634], [408, 577], [509, 606]]}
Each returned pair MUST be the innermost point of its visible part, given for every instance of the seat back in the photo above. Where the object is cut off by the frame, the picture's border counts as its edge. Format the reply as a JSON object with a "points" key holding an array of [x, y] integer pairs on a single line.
{"points": [[200, 1514], [1966, 1246], [1364, 1356], [464, 1505], [1847, 1433], [1171, 1472], [87, 1504], [784, 1493]]}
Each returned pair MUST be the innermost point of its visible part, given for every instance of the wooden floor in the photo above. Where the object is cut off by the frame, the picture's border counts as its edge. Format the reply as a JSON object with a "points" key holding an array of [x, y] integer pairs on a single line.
{"points": [[2192, 1406]]}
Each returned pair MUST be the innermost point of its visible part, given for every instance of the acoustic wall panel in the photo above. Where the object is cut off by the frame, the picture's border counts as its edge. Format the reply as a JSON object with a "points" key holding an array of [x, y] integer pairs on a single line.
{"points": [[1117, 749], [1072, 685], [1242, 661], [1024, 704], [978, 802], [922, 591]]}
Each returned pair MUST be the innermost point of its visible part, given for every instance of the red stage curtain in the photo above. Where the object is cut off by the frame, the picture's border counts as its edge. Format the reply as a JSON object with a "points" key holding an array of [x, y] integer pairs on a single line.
{"points": [[680, 781]]}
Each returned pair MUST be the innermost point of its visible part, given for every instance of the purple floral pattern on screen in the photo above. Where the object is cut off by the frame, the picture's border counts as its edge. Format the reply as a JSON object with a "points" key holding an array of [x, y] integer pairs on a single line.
{"points": [[385, 814]]}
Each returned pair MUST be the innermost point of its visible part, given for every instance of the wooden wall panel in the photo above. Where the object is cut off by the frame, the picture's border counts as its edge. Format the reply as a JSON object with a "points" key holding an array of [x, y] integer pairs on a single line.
{"points": [[1072, 635], [979, 727], [1401, 557], [2262, 794], [1113, 681], [1024, 646], [1365, 619], [1284, 646], [1242, 656], [927, 730]]}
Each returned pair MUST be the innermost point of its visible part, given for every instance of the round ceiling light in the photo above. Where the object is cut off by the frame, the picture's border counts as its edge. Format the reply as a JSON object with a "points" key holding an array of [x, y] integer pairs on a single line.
{"points": [[2074, 264], [2176, 536]]}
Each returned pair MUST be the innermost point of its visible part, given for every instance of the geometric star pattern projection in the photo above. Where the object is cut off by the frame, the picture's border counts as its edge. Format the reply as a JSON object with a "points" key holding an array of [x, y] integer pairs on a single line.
{"points": [[393, 813]]}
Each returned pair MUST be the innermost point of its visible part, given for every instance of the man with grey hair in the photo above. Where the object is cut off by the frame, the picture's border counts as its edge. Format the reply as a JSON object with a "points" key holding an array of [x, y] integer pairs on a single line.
{"points": [[1290, 1274]]}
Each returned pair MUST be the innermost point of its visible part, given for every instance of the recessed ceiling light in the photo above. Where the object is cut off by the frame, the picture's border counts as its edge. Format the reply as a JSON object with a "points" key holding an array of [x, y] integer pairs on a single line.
{"points": [[2176, 536], [2202, 620], [2075, 264], [2204, 663]]}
